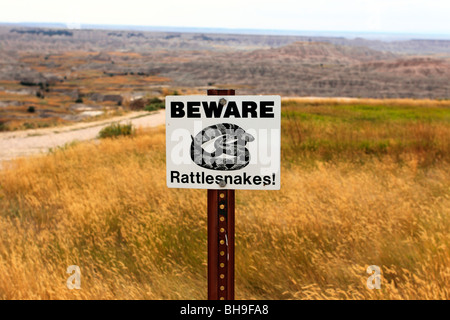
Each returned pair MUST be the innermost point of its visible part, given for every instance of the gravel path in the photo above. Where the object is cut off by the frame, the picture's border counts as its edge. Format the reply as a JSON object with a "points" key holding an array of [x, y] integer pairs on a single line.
{"points": [[28, 142]]}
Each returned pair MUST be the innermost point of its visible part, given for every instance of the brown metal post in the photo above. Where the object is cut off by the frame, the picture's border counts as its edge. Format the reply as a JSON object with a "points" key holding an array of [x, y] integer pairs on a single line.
{"points": [[221, 237]]}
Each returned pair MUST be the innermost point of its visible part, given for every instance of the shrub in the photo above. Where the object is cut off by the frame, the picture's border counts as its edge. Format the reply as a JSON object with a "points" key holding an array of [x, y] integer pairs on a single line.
{"points": [[154, 107], [154, 104], [116, 129], [31, 109], [3, 126], [28, 83], [79, 100], [29, 125]]}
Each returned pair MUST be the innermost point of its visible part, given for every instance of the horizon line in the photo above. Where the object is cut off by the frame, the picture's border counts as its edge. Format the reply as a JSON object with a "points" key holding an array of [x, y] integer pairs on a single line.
{"points": [[287, 32]]}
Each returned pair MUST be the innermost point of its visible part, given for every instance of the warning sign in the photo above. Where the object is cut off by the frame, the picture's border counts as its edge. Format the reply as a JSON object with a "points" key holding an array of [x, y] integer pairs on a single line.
{"points": [[223, 142]]}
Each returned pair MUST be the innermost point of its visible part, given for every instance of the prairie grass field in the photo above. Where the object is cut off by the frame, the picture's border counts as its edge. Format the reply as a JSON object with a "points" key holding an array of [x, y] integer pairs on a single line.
{"points": [[363, 182]]}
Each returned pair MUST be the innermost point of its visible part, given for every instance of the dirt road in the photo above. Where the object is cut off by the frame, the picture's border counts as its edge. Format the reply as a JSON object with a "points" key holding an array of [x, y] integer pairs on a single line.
{"points": [[28, 142]]}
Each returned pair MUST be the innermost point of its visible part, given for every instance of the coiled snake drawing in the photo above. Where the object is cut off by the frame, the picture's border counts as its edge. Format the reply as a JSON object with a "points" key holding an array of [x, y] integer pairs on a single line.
{"points": [[231, 141]]}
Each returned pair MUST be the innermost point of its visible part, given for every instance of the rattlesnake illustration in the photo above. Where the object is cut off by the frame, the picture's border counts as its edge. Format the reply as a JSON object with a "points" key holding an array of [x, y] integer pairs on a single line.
{"points": [[231, 141]]}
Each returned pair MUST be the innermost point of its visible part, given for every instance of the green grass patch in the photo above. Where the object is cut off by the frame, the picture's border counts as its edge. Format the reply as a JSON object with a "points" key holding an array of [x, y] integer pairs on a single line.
{"points": [[351, 132], [382, 113]]}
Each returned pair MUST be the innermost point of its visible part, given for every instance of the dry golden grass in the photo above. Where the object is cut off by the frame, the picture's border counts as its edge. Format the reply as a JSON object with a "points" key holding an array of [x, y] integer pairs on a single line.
{"points": [[105, 207], [130, 55]]}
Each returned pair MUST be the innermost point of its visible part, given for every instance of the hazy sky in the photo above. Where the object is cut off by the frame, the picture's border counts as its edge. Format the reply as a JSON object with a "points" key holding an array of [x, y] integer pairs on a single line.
{"points": [[400, 16]]}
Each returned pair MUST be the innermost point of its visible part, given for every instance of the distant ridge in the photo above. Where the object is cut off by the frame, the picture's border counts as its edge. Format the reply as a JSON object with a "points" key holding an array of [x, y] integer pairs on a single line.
{"points": [[384, 36]]}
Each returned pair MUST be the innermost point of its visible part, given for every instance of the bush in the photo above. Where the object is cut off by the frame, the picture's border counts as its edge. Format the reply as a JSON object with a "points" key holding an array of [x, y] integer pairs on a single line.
{"points": [[79, 100], [31, 109], [29, 125], [3, 126], [154, 104], [116, 129], [154, 107]]}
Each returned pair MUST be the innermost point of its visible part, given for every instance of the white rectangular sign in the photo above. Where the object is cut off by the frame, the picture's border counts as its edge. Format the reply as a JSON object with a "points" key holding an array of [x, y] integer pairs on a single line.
{"points": [[223, 142]]}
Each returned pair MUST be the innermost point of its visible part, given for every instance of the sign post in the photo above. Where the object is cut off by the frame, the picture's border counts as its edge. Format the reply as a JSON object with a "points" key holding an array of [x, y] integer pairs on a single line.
{"points": [[221, 237], [222, 142]]}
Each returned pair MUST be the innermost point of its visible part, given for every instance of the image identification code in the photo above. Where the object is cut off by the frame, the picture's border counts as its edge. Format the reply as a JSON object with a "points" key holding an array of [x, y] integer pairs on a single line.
{"points": [[227, 309]]}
